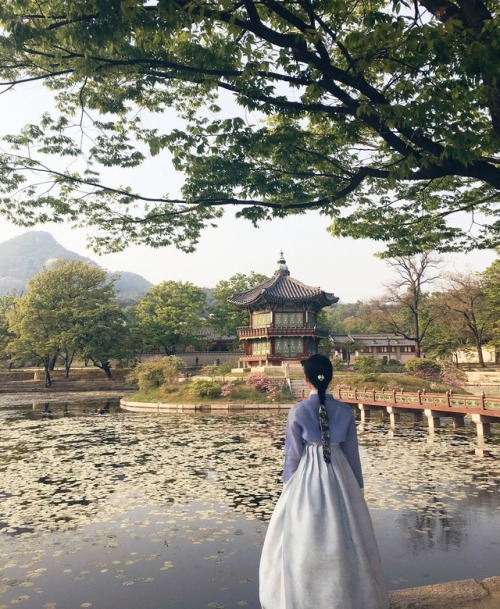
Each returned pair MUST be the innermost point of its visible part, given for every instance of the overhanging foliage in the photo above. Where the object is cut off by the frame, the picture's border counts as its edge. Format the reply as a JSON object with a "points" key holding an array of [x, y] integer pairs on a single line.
{"points": [[384, 115]]}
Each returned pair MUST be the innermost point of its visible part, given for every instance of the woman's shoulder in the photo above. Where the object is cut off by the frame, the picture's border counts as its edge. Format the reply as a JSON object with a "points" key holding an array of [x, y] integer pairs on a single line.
{"points": [[301, 408], [342, 406]]}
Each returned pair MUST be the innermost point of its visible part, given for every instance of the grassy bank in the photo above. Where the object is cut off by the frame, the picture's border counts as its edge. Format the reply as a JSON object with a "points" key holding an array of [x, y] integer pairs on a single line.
{"points": [[182, 394]]}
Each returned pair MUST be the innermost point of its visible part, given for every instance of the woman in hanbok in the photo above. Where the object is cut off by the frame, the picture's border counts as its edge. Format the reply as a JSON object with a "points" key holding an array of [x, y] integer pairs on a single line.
{"points": [[320, 550]]}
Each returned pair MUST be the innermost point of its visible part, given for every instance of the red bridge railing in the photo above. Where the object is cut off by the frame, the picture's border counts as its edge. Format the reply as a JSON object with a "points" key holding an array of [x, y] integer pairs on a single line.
{"points": [[420, 401]]}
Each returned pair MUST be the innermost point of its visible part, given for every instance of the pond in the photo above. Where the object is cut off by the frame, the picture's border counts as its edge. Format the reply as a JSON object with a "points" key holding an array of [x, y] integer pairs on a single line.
{"points": [[101, 508]]}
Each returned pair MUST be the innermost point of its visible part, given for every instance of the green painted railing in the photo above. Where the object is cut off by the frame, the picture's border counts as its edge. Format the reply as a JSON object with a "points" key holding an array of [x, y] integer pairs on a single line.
{"points": [[420, 400]]}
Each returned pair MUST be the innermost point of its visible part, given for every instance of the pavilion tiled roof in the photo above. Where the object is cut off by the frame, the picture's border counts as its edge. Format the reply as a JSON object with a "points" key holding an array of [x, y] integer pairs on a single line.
{"points": [[281, 288]]}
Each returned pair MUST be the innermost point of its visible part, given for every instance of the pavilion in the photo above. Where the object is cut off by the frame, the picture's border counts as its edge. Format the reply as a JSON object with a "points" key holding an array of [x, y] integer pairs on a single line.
{"points": [[282, 325]]}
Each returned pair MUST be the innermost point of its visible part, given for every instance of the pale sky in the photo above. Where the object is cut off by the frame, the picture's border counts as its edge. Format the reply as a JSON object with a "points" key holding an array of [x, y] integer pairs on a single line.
{"points": [[343, 266]]}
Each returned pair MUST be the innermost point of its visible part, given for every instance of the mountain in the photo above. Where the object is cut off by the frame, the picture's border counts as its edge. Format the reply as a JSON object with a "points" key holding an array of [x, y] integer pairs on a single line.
{"points": [[25, 256]]}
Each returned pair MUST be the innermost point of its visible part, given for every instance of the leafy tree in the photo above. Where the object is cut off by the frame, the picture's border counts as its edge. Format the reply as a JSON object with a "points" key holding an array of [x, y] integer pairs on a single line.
{"points": [[105, 336], [7, 302], [466, 298], [34, 325], [383, 115], [224, 317], [406, 308], [347, 318], [491, 283], [67, 309], [445, 336], [170, 315]]}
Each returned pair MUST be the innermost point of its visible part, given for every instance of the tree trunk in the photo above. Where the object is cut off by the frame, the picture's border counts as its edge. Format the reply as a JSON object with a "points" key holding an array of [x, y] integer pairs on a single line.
{"points": [[105, 366], [48, 380], [107, 369], [53, 361], [480, 354]]}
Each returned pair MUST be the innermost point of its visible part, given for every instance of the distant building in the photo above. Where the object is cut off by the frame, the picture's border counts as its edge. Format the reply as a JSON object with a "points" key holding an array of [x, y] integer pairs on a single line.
{"points": [[282, 319], [491, 355], [381, 346]]}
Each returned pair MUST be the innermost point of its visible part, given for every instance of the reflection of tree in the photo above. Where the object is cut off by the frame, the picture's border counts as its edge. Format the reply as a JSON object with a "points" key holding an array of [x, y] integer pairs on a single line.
{"points": [[433, 527]]}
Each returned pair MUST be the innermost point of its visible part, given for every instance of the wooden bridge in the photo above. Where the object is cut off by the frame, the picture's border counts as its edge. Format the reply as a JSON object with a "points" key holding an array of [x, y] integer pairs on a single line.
{"points": [[483, 410]]}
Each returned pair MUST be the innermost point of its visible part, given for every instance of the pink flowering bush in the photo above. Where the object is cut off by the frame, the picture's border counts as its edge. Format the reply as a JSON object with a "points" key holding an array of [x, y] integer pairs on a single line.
{"points": [[227, 389], [273, 387]]}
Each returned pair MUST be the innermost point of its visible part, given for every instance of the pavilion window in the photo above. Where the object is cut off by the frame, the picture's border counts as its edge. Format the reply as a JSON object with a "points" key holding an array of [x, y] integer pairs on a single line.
{"points": [[260, 347], [261, 320], [288, 320], [288, 346]]}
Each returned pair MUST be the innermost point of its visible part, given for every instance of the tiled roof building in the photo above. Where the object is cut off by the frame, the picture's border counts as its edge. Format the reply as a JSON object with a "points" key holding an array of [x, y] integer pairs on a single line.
{"points": [[283, 314], [381, 345]]}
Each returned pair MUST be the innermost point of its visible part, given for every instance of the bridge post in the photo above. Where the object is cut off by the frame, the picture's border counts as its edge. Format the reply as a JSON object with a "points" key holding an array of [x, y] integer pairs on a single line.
{"points": [[418, 416], [394, 416], [433, 419], [483, 425], [458, 421], [365, 413]]}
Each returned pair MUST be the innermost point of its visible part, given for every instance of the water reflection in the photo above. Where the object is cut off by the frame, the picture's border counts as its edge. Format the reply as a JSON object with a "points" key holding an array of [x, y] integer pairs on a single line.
{"points": [[180, 481]]}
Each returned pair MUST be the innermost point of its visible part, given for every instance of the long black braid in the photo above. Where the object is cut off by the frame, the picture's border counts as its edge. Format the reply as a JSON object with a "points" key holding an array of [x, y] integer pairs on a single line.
{"points": [[319, 371]]}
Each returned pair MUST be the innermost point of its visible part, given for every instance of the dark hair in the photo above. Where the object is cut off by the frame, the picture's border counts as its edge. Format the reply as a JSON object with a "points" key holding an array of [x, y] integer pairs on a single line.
{"points": [[319, 372]]}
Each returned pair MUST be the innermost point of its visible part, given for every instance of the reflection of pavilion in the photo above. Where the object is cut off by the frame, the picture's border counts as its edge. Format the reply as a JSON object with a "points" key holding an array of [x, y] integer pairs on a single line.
{"points": [[283, 313]]}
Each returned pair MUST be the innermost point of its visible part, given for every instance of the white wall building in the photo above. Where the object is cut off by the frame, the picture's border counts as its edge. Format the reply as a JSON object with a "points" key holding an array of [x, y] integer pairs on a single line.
{"points": [[381, 346]]}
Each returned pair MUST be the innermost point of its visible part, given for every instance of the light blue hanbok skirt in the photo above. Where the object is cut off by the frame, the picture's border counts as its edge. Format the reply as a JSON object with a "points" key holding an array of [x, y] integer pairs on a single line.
{"points": [[320, 551]]}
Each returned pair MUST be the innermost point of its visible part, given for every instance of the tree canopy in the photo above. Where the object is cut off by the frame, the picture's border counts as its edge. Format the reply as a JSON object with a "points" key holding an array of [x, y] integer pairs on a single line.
{"points": [[170, 315], [383, 115], [68, 309], [225, 318]]}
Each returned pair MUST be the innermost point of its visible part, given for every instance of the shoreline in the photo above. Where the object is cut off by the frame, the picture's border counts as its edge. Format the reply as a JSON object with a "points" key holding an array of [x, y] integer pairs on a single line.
{"points": [[17, 398]]}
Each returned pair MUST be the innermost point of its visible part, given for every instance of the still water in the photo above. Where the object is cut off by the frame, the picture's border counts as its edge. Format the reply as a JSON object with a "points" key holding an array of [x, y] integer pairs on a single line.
{"points": [[112, 510]]}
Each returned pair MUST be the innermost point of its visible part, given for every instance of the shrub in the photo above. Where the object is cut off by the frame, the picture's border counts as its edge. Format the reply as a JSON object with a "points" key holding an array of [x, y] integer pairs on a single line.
{"points": [[394, 363], [425, 368], [201, 388], [452, 376], [339, 364], [227, 389], [227, 366], [371, 378], [157, 372], [258, 381], [212, 370], [273, 387], [367, 364]]}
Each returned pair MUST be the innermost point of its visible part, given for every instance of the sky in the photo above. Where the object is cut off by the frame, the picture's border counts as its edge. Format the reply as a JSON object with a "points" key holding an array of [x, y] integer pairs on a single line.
{"points": [[346, 267]]}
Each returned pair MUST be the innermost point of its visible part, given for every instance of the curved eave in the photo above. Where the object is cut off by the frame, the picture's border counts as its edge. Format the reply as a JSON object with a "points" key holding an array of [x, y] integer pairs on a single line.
{"points": [[318, 301]]}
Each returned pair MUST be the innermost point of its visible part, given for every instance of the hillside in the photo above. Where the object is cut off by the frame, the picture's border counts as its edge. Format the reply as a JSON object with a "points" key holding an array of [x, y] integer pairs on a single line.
{"points": [[24, 256]]}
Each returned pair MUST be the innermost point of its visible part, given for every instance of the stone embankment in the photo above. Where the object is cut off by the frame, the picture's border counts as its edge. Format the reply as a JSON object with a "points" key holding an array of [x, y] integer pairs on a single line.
{"points": [[81, 381], [466, 594], [487, 381]]}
